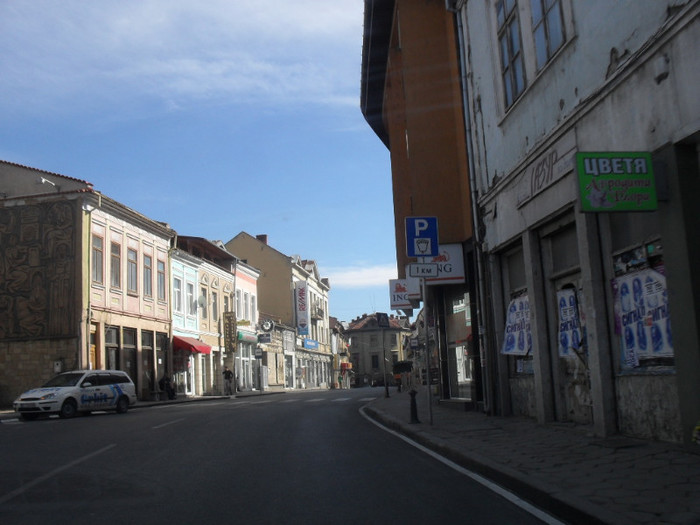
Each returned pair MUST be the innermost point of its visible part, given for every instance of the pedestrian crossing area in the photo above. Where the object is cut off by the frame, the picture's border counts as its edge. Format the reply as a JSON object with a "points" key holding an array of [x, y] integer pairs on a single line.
{"points": [[302, 400]]}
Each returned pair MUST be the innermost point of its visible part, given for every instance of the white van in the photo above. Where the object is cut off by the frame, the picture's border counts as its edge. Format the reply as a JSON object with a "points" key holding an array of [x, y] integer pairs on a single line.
{"points": [[78, 391]]}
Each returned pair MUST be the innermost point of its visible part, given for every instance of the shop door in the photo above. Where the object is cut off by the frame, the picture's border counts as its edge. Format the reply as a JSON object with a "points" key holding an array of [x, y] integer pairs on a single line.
{"points": [[571, 351]]}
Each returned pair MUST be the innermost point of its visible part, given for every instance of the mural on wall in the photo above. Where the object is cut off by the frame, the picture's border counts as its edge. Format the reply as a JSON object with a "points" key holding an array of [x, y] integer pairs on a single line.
{"points": [[37, 257]]}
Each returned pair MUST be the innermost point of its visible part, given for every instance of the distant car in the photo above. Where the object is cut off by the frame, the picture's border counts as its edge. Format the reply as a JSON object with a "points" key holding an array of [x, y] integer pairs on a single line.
{"points": [[78, 391]]}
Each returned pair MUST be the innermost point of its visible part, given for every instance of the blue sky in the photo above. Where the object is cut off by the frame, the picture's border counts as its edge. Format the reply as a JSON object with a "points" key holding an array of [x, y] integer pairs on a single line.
{"points": [[216, 117]]}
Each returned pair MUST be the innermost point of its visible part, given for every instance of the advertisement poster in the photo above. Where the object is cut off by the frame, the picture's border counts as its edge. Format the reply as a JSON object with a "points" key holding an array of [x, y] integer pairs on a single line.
{"points": [[301, 301], [616, 181], [642, 316], [570, 332], [518, 338]]}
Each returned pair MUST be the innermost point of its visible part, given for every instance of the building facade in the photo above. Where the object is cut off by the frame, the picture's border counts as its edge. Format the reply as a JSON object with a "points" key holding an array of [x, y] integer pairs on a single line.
{"points": [[82, 282], [606, 290], [292, 293], [376, 347], [411, 97]]}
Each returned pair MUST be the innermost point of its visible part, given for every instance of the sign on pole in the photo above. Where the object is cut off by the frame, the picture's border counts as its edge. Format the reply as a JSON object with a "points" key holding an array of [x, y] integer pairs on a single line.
{"points": [[422, 236]]}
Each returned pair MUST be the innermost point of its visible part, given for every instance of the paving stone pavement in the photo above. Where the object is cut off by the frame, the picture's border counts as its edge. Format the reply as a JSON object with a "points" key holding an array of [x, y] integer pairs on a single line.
{"points": [[561, 468]]}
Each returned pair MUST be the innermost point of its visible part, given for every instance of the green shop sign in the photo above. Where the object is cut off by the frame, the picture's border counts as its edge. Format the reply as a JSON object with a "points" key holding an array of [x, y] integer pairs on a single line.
{"points": [[614, 181]]}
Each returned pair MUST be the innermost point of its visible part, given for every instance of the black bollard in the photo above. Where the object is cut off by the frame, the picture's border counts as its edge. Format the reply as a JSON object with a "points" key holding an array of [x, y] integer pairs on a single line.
{"points": [[414, 408]]}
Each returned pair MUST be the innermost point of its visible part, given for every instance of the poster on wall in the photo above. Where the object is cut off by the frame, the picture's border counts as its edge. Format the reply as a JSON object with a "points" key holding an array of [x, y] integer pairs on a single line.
{"points": [[642, 317], [570, 330], [518, 338]]}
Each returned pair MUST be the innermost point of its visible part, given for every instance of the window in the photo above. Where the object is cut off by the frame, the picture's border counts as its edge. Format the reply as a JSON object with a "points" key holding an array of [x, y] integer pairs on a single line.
{"points": [[239, 307], [226, 304], [246, 305], [375, 361], [177, 295], [132, 271], [147, 276], [205, 310], [512, 70], [161, 280], [115, 266], [547, 28], [253, 309], [97, 259], [191, 306], [214, 306]]}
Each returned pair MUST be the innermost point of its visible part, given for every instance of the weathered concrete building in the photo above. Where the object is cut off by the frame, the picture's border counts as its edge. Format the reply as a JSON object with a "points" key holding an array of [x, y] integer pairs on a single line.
{"points": [[593, 304], [83, 282]]}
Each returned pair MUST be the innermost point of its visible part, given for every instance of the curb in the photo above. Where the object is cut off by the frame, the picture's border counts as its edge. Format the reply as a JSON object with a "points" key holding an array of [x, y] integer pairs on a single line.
{"points": [[551, 499]]}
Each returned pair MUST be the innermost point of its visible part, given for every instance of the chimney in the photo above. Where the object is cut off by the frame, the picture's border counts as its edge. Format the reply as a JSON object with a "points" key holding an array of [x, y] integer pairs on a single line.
{"points": [[262, 238]]}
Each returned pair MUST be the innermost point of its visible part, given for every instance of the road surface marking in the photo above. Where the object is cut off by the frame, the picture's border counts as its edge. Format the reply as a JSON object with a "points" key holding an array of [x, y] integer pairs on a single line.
{"points": [[515, 500], [24, 488], [168, 423]]}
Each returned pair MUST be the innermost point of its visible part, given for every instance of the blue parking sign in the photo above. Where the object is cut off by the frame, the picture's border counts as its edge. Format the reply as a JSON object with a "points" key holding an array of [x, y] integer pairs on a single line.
{"points": [[422, 236]]}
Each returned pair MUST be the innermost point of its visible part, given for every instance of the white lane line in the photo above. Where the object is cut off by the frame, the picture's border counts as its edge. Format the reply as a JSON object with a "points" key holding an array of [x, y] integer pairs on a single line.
{"points": [[7, 497], [341, 399], [365, 399], [315, 400], [515, 500], [168, 423], [290, 401]]}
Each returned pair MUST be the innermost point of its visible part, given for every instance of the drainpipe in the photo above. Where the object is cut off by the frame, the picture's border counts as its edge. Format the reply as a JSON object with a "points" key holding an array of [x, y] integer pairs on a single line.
{"points": [[487, 387]]}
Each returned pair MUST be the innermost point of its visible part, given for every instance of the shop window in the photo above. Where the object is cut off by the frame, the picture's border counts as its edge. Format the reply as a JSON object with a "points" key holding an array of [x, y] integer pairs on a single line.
{"points": [[641, 309], [564, 249]]}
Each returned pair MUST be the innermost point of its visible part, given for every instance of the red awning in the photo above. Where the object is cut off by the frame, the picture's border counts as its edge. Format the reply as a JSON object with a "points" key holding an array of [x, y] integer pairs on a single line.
{"points": [[191, 344]]}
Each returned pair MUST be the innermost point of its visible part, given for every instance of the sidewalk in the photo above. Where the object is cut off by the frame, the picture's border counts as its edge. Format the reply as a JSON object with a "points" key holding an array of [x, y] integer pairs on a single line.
{"points": [[560, 468]]}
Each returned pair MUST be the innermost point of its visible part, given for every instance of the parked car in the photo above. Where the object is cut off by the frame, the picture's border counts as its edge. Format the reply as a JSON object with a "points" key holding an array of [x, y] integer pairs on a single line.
{"points": [[78, 391]]}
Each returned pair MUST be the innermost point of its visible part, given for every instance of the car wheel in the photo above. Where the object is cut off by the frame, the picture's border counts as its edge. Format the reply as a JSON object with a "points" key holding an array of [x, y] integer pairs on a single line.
{"points": [[122, 405], [68, 409], [29, 416]]}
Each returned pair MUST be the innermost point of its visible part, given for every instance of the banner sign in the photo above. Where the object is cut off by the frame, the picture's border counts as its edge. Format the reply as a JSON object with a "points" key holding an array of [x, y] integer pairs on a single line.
{"points": [[616, 181], [518, 338], [230, 331], [404, 293], [301, 300], [570, 332], [642, 316], [450, 263]]}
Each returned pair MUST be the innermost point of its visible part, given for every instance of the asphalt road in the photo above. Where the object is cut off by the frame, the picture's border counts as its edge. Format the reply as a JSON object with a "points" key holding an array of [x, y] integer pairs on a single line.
{"points": [[307, 457]]}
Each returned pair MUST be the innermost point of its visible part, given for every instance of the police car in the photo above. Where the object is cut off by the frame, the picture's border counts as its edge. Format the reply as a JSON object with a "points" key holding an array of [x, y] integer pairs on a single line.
{"points": [[78, 391]]}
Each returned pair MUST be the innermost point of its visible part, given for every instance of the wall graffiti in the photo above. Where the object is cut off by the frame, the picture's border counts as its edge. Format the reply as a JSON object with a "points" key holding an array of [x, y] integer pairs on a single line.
{"points": [[37, 271]]}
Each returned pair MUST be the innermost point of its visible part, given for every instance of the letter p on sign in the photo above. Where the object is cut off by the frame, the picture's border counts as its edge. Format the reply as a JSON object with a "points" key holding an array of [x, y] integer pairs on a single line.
{"points": [[422, 237]]}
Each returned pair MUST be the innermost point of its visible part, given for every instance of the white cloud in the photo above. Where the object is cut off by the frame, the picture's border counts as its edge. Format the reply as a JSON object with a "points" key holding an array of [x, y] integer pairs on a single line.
{"points": [[360, 276], [179, 50]]}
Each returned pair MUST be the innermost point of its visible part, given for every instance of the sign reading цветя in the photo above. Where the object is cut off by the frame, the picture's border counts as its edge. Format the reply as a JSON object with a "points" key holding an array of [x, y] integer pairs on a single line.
{"points": [[614, 181]]}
